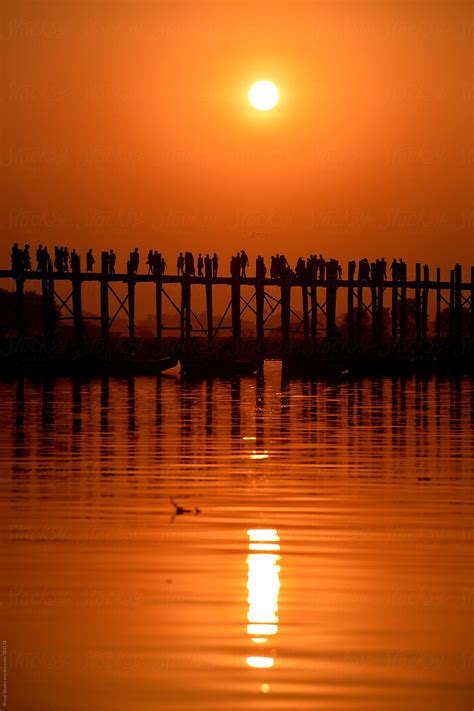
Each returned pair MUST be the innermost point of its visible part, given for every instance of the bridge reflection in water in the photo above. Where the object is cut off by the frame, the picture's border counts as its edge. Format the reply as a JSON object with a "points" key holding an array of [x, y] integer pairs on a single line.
{"points": [[263, 585]]}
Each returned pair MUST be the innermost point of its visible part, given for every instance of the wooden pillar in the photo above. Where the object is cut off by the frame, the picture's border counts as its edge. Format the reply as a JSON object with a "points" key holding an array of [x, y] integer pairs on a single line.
{"points": [[350, 306], [210, 326], [104, 295], [77, 303], [458, 307], [451, 307], [20, 306], [360, 309], [472, 302], [373, 293], [380, 319], [424, 304], [131, 306], [259, 303], [285, 315], [394, 309], [235, 308], [187, 308], [304, 297], [418, 302], [159, 308], [45, 304], [403, 310], [51, 308], [331, 287], [314, 314], [438, 303]]}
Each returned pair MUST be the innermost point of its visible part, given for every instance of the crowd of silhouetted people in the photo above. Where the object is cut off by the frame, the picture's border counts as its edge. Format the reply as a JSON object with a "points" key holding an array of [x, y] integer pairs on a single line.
{"points": [[313, 268]]}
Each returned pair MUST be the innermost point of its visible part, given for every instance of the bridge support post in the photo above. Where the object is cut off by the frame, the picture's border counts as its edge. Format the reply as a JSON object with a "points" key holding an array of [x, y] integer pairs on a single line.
{"points": [[418, 302], [20, 306], [394, 310], [210, 326], [451, 309], [373, 293], [424, 304], [304, 297], [131, 306], [77, 302], [259, 303], [314, 314], [458, 307], [350, 306], [331, 287], [235, 310], [159, 307], [438, 303], [472, 302], [285, 316], [104, 295]]}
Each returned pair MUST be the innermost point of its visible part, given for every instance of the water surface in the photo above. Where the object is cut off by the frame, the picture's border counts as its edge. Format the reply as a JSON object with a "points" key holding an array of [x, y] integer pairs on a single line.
{"points": [[330, 566]]}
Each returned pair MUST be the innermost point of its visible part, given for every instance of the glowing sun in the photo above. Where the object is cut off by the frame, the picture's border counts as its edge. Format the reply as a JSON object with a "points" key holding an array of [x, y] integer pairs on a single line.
{"points": [[263, 95]]}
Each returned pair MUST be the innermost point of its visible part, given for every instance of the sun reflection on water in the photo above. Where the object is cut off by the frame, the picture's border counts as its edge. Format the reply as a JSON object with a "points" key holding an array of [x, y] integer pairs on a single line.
{"points": [[263, 585]]}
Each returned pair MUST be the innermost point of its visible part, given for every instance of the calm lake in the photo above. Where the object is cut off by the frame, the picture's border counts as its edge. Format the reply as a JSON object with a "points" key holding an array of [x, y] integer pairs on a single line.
{"points": [[326, 561]]}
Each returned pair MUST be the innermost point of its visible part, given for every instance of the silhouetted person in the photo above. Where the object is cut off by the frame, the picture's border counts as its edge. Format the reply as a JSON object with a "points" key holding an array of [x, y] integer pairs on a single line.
{"points": [[207, 266], [383, 269], [339, 270], [180, 264], [235, 265], [260, 268], [351, 269], [40, 259], [162, 266], [134, 260], [75, 262], [322, 267], [149, 261], [189, 269], [58, 259], [394, 269], [16, 258], [112, 260], [90, 261], [26, 259], [364, 269], [300, 269], [65, 259], [200, 264], [244, 262], [215, 265]]}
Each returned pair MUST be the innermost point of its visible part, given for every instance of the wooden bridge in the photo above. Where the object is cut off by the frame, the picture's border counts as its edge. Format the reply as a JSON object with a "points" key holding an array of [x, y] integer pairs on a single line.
{"points": [[316, 319]]}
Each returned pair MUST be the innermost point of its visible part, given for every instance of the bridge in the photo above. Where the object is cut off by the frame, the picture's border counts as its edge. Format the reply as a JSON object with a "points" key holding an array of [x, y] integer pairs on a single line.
{"points": [[320, 299]]}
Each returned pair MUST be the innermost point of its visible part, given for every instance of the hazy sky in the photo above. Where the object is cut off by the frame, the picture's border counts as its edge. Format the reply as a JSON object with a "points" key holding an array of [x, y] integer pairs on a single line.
{"points": [[127, 124]]}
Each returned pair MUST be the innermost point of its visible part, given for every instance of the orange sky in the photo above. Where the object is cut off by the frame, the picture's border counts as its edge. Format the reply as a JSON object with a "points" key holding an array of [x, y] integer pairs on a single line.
{"points": [[128, 124]]}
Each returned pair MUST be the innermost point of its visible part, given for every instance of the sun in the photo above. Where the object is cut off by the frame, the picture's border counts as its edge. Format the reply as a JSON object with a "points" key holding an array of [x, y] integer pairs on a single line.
{"points": [[263, 95]]}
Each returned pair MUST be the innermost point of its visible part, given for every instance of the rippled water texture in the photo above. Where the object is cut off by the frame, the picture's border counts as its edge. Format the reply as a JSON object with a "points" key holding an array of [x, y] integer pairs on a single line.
{"points": [[329, 567]]}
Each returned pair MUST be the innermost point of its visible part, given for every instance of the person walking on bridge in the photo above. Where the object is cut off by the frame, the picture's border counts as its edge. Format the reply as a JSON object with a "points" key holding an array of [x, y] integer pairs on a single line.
{"points": [[90, 261]]}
